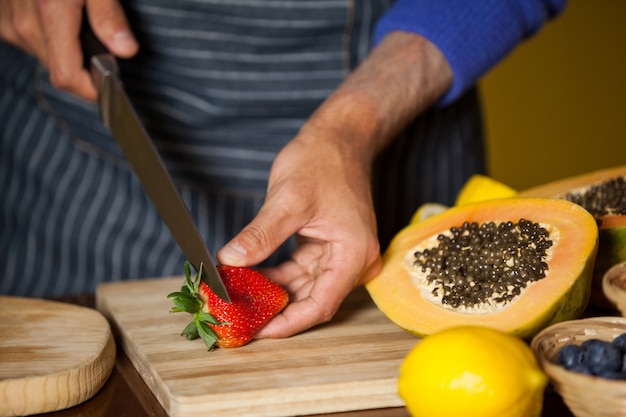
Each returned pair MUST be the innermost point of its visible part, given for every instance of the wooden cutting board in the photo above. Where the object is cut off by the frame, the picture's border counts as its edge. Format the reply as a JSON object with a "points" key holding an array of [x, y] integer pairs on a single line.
{"points": [[53, 355], [348, 364]]}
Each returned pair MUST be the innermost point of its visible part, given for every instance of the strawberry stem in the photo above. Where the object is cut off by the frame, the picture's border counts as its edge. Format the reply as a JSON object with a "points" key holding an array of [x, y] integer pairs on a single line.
{"points": [[188, 300]]}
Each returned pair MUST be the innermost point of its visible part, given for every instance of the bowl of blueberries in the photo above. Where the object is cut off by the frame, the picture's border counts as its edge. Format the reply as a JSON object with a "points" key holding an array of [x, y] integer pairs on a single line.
{"points": [[586, 362]]}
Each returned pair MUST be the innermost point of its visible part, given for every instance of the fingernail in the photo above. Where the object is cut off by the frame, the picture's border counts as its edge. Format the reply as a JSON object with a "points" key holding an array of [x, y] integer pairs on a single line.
{"points": [[124, 40], [232, 254]]}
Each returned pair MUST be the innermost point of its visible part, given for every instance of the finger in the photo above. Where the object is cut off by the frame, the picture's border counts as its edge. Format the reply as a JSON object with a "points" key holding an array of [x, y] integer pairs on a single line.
{"points": [[317, 283], [61, 21], [272, 226], [20, 26], [293, 277], [295, 319], [372, 270], [319, 307], [109, 23]]}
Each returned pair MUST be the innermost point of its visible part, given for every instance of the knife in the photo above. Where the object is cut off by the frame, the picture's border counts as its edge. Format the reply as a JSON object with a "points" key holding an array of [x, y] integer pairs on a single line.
{"points": [[119, 116]]}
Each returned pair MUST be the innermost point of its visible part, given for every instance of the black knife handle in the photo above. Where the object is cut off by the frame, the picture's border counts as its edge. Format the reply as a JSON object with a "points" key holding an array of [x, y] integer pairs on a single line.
{"points": [[96, 58], [90, 44]]}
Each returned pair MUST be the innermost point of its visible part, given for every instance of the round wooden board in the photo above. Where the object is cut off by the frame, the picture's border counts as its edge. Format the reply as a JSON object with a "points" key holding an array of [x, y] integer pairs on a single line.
{"points": [[53, 355]]}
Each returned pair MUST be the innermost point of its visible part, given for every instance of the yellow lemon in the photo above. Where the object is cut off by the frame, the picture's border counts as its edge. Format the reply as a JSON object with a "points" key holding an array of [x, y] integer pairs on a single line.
{"points": [[481, 188], [472, 371], [427, 210]]}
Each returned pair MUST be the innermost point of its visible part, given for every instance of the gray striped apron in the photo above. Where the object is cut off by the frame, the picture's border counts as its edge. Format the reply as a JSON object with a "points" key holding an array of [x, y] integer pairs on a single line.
{"points": [[221, 86]]}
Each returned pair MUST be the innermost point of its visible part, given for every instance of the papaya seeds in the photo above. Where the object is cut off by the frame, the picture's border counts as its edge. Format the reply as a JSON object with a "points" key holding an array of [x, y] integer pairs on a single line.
{"points": [[603, 194], [602, 199], [484, 264]]}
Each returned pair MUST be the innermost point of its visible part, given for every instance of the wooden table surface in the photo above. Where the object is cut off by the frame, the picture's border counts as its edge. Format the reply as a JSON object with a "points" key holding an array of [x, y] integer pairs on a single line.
{"points": [[126, 395]]}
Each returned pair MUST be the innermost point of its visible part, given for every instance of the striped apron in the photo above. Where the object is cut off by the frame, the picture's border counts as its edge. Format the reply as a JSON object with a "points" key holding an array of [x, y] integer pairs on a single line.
{"points": [[221, 86]]}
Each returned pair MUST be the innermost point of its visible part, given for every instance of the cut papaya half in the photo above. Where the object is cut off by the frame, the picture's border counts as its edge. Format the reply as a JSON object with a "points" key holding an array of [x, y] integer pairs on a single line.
{"points": [[515, 265], [603, 194]]}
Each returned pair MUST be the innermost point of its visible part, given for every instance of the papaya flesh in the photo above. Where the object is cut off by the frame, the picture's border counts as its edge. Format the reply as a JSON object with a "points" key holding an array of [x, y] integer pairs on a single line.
{"points": [[612, 249], [561, 295]]}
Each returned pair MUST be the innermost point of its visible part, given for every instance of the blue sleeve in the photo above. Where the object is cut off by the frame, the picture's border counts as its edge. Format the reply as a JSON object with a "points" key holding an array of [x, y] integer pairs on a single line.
{"points": [[474, 35]]}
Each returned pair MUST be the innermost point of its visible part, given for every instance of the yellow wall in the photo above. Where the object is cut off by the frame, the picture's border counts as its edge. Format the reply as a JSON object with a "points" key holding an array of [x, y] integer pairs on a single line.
{"points": [[557, 105]]}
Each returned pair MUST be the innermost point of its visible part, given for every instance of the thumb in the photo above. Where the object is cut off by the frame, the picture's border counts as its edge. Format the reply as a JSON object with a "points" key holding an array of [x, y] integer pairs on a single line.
{"points": [[260, 238]]}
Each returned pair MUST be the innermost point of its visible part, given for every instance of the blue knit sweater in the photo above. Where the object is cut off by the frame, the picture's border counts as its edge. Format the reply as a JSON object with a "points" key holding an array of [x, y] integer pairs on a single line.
{"points": [[473, 34]]}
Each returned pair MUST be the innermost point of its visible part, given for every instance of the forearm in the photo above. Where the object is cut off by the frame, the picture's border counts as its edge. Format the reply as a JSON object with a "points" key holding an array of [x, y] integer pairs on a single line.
{"points": [[402, 77]]}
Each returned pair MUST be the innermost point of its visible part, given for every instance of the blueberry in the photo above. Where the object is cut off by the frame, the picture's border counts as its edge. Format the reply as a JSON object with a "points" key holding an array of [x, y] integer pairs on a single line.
{"points": [[570, 355], [581, 368], [602, 356], [592, 342], [620, 342]]}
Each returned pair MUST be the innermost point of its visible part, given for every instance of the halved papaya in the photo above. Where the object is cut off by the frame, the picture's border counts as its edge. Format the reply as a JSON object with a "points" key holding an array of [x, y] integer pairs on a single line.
{"points": [[407, 294], [611, 220]]}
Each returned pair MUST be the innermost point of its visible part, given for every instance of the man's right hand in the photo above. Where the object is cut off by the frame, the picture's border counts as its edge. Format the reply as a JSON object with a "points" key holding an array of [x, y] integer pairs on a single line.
{"points": [[49, 30]]}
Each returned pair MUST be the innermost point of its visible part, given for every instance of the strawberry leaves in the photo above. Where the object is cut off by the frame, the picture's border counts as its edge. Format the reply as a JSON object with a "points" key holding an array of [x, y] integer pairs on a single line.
{"points": [[188, 300]]}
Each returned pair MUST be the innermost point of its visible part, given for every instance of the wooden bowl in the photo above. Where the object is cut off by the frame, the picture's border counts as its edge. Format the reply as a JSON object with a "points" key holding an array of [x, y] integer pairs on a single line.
{"points": [[585, 395], [614, 286]]}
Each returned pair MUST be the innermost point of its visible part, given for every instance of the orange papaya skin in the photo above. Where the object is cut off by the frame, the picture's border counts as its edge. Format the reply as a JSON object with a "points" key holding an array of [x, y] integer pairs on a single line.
{"points": [[562, 295], [612, 248]]}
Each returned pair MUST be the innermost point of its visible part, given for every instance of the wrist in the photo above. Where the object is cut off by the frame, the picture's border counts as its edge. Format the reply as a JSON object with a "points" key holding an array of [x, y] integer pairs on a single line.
{"points": [[348, 122], [401, 78]]}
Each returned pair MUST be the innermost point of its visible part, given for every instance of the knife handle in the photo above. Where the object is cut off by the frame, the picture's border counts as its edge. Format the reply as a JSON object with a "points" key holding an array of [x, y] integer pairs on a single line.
{"points": [[96, 57], [90, 44]]}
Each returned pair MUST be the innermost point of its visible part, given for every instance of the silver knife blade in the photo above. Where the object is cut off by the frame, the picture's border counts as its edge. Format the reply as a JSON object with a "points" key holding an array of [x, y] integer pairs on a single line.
{"points": [[119, 115]]}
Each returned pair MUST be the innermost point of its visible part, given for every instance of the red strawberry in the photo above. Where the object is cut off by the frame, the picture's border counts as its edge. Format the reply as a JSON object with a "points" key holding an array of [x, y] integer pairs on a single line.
{"points": [[254, 301]]}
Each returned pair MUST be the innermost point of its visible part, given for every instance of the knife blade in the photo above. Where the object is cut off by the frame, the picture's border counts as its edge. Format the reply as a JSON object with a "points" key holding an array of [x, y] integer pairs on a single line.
{"points": [[120, 117]]}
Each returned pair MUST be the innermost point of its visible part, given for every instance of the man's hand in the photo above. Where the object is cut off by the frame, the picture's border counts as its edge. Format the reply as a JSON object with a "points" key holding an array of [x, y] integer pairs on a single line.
{"points": [[49, 30], [321, 192], [319, 185]]}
